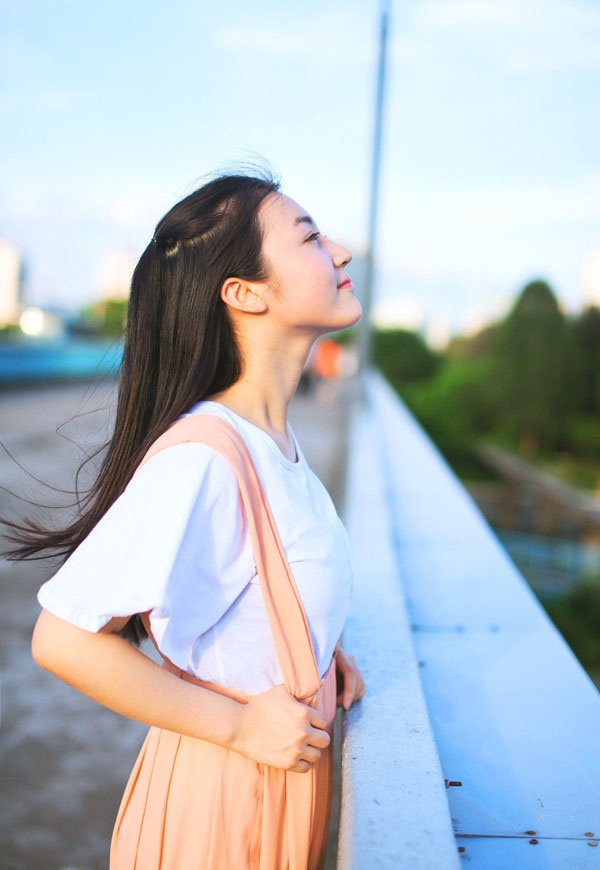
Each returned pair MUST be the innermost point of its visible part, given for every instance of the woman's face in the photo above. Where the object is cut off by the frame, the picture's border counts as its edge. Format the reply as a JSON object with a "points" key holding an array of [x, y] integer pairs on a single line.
{"points": [[309, 287]]}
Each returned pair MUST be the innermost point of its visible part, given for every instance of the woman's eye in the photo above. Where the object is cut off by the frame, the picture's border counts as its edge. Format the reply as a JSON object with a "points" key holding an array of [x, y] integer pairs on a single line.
{"points": [[313, 237]]}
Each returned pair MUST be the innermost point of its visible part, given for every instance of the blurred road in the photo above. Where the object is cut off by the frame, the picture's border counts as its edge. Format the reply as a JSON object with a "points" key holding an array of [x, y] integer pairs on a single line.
{"points": [[64, 759]]}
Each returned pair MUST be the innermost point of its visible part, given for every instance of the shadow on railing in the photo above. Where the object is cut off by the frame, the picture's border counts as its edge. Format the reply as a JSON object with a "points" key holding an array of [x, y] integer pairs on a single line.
{"points": [[478, 737]]}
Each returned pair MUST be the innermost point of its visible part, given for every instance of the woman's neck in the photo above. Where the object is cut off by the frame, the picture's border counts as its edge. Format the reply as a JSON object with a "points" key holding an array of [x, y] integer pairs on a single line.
{"points": [[265, 389]]}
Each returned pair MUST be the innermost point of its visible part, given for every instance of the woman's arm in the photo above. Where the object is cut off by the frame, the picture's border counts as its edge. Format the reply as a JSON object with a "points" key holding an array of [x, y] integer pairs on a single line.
{"points": [[273, 728]]}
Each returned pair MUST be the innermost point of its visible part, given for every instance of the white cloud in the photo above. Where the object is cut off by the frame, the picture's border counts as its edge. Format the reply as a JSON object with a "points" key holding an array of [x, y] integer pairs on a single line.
{"points": [[45, 100], [458, 13], [519, 36], [53, 100], [398, 311], [494, 207], [258, 40], [457, 244], [333, 35]]}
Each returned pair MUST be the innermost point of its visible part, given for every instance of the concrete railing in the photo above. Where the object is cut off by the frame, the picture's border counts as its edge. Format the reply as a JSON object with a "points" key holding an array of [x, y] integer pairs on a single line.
{"points": [[478, 736]]}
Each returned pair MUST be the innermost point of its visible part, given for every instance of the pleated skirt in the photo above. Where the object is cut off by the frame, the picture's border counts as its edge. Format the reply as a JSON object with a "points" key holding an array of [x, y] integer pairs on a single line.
{"points": [[192, 805]]}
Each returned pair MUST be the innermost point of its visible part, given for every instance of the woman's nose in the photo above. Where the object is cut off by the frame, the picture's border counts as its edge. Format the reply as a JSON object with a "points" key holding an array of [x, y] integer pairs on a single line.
{"points": [[341, 255]]}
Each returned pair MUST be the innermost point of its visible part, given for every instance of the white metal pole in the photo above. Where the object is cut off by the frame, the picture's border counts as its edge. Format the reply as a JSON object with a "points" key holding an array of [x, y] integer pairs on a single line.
{"points": [[364, 334]]}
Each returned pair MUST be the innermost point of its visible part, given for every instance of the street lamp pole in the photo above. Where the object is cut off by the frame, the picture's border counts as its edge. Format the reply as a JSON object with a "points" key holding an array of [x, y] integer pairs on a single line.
{"points": [[364, 333]]}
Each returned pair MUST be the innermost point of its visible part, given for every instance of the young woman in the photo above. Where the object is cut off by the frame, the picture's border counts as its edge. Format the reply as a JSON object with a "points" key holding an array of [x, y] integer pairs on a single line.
{"points": [[206, 529]]}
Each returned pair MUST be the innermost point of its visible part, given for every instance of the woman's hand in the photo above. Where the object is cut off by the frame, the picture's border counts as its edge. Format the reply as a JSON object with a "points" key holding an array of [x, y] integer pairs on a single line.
{"points": [[350, 683], [276, 729]]}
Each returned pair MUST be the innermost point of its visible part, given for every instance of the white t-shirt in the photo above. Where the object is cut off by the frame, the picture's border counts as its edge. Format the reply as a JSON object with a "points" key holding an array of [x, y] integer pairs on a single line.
{"points": [[176, 543]]}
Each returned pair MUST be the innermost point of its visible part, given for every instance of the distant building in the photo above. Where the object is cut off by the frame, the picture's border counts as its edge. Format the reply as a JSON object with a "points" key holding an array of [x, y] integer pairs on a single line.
{"points": [[11, 283], [114, 275], [401, 311], [591, 280]]}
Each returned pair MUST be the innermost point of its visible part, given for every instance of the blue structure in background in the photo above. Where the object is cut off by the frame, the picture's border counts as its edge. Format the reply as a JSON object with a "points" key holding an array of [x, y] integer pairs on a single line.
{"points": [[42, 361], [552, 566]]}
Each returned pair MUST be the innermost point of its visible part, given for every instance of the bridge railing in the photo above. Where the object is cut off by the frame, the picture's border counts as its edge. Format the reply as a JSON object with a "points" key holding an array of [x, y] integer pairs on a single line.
{"points": [[478, 737]]}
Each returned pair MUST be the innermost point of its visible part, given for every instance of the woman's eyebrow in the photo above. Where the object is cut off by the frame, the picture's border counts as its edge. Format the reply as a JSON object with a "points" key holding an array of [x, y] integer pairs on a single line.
{"points": [[305, 219]]}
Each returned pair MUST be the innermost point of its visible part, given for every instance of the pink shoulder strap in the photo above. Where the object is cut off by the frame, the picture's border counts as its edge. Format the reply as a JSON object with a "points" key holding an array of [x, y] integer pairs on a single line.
{"points": [[284, 606]]}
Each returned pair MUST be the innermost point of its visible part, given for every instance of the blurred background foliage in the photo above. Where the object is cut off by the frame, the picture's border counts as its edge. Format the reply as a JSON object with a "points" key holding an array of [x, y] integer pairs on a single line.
{"points": [[529, 383], [107, 317], [577, 617]]}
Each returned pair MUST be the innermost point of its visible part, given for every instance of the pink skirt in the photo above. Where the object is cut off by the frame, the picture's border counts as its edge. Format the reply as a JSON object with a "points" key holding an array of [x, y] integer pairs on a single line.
{"points": [[193, 805]]}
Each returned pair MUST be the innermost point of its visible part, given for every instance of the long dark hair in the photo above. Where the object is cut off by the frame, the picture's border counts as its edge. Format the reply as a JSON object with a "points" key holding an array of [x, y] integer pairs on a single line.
{"points": [[180, 346]]}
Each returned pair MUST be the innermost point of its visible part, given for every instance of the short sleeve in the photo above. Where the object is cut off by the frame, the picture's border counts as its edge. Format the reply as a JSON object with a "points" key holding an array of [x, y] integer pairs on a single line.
{"points": [[174, 543]]}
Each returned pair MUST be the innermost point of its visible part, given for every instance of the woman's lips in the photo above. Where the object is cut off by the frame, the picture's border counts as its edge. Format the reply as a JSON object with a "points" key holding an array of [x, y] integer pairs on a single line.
{"points": [[346, 285]]}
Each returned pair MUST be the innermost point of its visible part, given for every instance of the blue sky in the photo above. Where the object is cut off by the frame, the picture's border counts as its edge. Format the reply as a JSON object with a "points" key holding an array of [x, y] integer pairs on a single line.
{"points": [[491, 170]]}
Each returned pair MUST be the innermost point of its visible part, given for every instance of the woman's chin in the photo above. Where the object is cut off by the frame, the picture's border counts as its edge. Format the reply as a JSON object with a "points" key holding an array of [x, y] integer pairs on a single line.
{"points": [[353, 316]]}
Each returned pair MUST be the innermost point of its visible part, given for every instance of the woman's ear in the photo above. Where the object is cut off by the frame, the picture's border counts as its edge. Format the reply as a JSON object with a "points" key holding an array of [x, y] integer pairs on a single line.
{"points": [[244, 295]]}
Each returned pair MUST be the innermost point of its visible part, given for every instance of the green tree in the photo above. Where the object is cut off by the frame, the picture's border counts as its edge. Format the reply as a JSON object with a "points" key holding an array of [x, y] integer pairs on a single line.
{"points": [[587, 339], [107, 317], [403, 356], [535, 370], [577, 617], [455, 406]]}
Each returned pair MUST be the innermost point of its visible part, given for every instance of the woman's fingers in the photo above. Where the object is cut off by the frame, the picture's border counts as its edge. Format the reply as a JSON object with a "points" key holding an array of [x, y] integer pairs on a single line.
{"points": [[315, 717], [278, 730], [353, 687], [311, 754], [318, 738]]}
